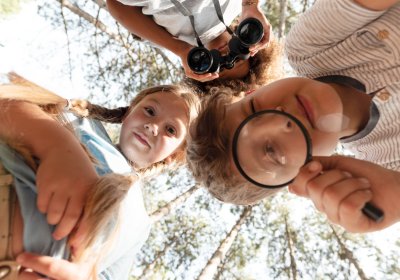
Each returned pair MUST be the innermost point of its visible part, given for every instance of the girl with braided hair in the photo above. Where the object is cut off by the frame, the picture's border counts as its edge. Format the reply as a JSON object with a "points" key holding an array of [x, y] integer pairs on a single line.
{"points": [[75, 195]]}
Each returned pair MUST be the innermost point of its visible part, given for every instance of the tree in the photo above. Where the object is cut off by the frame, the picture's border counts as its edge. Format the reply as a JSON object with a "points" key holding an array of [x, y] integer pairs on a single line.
{"points": [[116, 64], [346, 253], [209, 270], [162, 211]]}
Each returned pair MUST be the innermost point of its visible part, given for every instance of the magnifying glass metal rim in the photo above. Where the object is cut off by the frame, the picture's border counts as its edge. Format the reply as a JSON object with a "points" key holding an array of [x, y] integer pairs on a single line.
{"points": [[236, 137]]}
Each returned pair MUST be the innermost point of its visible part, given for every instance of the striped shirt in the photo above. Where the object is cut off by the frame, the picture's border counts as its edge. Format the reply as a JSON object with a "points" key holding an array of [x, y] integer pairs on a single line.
{"points": [[341, 38]]}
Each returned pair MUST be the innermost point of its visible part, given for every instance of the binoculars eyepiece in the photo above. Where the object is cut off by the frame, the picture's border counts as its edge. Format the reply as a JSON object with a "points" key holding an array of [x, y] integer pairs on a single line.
{"points": [[249, 32]]}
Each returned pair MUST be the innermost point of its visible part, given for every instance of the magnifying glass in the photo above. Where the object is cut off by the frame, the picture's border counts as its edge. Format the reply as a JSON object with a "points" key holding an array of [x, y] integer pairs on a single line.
{"points": [[269, 148]]}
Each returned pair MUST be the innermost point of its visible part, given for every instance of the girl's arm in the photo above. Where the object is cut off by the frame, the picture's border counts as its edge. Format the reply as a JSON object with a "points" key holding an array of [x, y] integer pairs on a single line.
{"points": [[51, 267], [65, 172], [132, 18]]}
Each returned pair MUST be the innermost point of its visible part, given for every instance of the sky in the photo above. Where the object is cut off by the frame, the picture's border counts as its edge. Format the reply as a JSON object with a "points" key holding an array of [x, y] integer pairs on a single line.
{"points": [[38, 51]]}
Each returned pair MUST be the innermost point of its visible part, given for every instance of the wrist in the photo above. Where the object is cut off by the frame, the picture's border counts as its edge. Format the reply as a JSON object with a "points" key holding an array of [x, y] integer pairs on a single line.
{"points": [[249, 3], [183, 50], [250, 8]]}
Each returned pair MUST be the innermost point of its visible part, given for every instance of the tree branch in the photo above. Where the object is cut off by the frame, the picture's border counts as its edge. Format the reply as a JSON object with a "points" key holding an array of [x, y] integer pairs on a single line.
{"points": [[98, 24]]}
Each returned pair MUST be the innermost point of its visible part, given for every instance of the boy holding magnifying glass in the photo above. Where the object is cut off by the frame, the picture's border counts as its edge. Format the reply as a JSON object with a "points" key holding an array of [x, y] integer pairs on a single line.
{"points": [[351, 94]]}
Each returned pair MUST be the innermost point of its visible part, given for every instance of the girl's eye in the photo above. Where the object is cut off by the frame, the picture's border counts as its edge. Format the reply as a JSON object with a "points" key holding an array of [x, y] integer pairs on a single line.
{"points": [[149, 111], [171, 130]]}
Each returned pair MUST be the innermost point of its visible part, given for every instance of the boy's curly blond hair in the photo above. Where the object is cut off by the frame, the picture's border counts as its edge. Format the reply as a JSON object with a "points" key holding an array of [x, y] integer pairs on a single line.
{"points": [[208, 154]]}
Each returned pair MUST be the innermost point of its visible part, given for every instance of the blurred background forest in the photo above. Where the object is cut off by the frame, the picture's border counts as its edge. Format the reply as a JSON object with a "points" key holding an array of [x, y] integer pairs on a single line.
{"points": [[194, 236]]}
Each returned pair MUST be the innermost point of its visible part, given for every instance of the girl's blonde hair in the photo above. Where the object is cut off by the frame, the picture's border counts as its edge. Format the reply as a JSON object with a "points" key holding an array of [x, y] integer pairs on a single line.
{"points": [[109, 191]]}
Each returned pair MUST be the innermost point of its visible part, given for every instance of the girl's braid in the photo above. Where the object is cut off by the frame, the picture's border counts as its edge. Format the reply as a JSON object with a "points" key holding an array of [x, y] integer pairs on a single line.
{"points": [[84, 108]]}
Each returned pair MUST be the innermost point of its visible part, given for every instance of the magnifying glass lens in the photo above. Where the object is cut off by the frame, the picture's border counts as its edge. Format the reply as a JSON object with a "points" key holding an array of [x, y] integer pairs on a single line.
{"points": [[270, 147]]}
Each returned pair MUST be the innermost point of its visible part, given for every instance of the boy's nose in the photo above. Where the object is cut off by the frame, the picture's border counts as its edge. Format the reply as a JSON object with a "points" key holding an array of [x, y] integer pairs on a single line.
{"points": [[152, 128]]}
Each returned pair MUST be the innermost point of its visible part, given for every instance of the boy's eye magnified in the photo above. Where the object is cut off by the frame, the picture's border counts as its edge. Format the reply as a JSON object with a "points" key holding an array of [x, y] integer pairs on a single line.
{"points": [[285, 148], [272, 154]]}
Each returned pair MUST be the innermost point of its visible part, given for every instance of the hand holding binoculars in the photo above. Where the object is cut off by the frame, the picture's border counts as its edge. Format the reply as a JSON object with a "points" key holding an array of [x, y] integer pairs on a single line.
{"points": [[249, 32]]}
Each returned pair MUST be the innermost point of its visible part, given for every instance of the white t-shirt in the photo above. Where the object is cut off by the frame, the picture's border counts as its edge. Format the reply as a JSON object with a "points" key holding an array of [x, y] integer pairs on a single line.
{"points": [[207, 24]]}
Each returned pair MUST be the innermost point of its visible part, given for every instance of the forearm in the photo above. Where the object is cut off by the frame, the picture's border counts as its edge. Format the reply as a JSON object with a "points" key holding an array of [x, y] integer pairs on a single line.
{"points": [[307, 37], [376, 5], [28, 125], [144, 26]]}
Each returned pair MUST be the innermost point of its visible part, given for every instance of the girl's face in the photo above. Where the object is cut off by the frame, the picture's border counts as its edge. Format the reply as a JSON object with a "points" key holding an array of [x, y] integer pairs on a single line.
{"points": [[316, 105], [154, 129]]}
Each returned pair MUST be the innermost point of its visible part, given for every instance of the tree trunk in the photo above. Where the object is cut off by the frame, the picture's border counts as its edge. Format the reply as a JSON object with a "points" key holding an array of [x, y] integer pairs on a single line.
{"points": [[347, 254], [163, 211], [212, 265], [150, 267], [282, 18], [293, 266]]}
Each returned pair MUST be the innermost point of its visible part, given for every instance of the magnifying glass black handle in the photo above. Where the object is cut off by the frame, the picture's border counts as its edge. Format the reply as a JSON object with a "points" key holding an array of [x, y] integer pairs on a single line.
{"points": [[372, 212]]}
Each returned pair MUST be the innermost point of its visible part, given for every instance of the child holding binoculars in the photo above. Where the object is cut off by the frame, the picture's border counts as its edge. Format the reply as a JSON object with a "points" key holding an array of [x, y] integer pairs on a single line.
{"points": [[348, 51], [179, 27]]}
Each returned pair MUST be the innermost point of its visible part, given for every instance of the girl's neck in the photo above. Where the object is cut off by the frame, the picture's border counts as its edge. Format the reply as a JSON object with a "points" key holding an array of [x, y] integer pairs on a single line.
{"points": [[356, 106]]}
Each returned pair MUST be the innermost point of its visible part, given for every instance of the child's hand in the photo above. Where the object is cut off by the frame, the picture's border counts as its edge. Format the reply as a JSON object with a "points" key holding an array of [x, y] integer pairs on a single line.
{"points": [[255, 12], [343, 188], [189, 72], [53, 268], [64, 178]]}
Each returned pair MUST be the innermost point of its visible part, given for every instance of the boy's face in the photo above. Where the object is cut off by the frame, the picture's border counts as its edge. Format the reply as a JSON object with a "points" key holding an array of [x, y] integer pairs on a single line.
{"points": [[241, 67], [316, 105], [154, 129]]}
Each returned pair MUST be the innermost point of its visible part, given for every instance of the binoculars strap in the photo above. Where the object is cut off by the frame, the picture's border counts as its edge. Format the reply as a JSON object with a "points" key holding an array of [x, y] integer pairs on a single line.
{"points": [[218, 10], [184, 11]]}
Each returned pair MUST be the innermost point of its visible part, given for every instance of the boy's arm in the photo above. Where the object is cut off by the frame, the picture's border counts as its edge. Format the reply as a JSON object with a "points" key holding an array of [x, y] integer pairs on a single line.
{"points": [[65, 172], [324, 25], [376, 5], [132, 18], [335, 186]]}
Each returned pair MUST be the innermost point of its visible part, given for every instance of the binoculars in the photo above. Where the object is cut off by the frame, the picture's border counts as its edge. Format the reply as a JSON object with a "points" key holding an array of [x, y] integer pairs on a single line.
{"points": [[249, 32]]}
